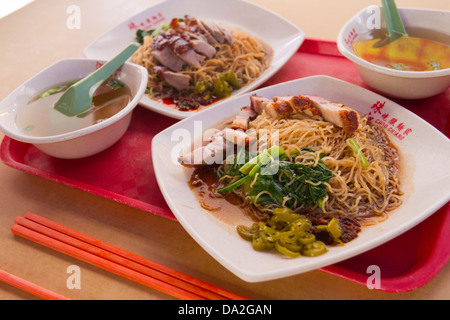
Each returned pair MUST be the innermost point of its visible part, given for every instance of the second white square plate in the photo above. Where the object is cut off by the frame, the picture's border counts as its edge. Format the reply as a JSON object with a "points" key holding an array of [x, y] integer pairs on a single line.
{"points": [[282, 36]]}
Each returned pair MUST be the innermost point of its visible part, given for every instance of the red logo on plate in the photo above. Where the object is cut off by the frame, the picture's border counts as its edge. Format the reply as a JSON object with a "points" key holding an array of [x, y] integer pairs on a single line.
{"points": [[391, 124], [146, 23]]}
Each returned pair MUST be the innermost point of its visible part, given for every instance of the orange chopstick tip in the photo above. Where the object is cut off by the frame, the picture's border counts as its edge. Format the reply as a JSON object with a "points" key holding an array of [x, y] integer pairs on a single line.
{"points": [[29, 287]]}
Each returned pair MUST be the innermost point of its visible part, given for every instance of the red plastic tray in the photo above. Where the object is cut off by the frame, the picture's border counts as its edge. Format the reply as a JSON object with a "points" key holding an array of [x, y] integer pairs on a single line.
{"points": [[124, 173]]}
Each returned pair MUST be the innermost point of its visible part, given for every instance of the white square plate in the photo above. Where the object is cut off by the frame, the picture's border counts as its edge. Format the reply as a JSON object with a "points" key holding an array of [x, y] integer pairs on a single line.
{"points": [[282, 36], [425, 176]]}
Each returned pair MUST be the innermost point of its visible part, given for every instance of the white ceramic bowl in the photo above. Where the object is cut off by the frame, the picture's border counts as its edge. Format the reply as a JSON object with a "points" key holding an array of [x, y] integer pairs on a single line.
{"points": [[390, 82], [80, 143]]}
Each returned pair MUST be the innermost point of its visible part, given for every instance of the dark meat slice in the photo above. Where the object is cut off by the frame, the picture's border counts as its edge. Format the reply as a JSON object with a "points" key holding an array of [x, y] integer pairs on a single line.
{"points": [[226, 33], [177, 80], [180, 45], [203, 48], [214, 30], [168, 59], [192, 58], [210, 38]]}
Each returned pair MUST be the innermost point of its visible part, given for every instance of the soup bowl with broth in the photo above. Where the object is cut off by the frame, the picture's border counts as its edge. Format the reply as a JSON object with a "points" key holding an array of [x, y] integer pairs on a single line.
{"points": [[27, 113], [407, 74]]}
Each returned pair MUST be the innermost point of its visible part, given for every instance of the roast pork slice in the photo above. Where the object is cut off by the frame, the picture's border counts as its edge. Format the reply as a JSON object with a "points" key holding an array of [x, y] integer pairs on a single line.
{"points": [[312, 106], [169, 59], [260, 104], [243, 118], [213, 152], [238, 137], [336, 113], [216, 148], [203, 48]]}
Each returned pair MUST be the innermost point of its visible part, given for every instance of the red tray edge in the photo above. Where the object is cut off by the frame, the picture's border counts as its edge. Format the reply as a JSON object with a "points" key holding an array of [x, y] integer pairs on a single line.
{"points": [[418, 275], [9, 161]]}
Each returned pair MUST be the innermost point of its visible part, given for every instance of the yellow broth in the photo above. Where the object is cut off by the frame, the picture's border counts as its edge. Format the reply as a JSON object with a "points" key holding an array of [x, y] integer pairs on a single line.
{"points": [[416, 52], [38, 118]]}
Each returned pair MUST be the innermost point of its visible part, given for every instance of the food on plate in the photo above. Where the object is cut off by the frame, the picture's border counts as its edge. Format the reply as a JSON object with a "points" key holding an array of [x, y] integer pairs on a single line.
{"points": [[193, 63], [309, 171], [409, 53], [38, 118]]}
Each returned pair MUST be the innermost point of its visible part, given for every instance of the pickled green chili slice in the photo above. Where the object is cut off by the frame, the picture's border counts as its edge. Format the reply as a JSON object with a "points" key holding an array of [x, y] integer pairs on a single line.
{"points": [[286, 251], [314, 249], [334, 229], [221, 88], [307, 238], [262, 243], [289, 234], [281, 211], [230, 77], [201, 87], [246, 232]]}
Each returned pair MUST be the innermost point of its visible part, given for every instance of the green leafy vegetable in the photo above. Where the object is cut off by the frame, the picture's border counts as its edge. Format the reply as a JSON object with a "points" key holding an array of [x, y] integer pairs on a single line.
{"points": [[271, 177], [141, 34]]}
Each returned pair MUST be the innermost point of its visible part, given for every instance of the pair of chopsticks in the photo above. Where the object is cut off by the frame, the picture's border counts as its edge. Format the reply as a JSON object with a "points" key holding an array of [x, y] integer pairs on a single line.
{"points": [[108, 257], [29, 287]]}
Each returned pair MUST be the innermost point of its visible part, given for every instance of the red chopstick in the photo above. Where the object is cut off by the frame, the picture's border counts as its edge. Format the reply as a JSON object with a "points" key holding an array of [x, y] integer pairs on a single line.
{"points": [[29, 287], [116, 260]]}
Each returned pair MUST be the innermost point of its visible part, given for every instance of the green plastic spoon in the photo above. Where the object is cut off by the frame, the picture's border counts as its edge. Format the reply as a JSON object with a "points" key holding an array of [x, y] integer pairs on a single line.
{"points": [[78, 97], [394, 23]]}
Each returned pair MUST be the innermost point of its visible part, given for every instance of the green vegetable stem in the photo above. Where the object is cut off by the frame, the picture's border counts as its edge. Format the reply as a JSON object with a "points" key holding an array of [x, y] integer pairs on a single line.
{"points": [[358, 152]]}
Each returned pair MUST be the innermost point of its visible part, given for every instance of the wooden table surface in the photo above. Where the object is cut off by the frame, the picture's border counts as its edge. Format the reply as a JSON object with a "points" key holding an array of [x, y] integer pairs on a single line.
{"points": [[35, 37]]}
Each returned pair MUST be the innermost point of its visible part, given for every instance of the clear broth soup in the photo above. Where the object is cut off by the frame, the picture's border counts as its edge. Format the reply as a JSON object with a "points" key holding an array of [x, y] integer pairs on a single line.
{"points": [[38, 118], [421, 50]]}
